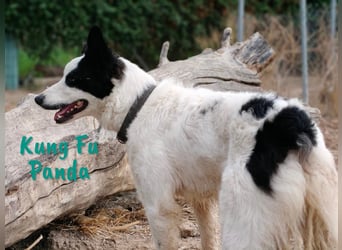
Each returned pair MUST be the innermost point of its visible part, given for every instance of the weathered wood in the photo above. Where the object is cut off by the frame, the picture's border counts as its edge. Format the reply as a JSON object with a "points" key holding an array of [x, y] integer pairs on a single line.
{"points": [[31, 204], [233, 67]]}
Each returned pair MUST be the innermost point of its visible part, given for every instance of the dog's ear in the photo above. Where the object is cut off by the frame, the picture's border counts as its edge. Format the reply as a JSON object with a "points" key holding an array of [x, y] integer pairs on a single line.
{"points": [[98, 54], [84, 48], [96, 47]]}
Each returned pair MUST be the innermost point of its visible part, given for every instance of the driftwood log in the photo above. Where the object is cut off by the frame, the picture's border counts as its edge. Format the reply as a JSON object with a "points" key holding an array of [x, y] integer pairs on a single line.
{"points": [[31, 204]]}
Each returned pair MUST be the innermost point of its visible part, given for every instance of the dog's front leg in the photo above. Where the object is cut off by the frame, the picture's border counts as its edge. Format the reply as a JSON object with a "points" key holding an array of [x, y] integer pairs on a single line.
{"points": [[155, 187], [163, 217]]}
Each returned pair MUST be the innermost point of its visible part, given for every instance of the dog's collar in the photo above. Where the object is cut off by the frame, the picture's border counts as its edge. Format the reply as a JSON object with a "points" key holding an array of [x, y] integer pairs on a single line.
{"points": [[132, 113]]}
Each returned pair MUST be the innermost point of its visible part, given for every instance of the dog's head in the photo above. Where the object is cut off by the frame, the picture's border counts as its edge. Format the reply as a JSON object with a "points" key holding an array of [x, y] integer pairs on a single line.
{"points": [[87, 80]]}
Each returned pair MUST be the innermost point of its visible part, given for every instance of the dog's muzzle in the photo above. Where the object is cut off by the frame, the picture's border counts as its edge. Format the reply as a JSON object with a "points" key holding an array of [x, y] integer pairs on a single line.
{"points": [[39, 99]]}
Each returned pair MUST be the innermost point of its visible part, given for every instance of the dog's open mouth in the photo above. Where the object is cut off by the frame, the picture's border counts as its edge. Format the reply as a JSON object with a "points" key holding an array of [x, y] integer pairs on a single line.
{"points": [[68, 111]]}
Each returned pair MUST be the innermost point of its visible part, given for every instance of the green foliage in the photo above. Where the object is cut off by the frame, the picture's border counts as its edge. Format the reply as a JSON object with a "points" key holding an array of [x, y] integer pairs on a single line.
{"points": [[280, 7], [26, 64], [136, 29], [40, 25], [60, 56]]}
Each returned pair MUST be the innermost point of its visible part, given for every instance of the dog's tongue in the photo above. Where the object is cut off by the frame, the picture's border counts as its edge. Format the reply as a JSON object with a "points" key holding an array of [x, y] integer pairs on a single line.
{"points": [[68, 111], [63, 111]]}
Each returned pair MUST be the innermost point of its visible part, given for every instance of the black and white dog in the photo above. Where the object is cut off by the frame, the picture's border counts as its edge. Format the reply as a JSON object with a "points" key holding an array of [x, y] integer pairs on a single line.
{"points": [[259, 154]]}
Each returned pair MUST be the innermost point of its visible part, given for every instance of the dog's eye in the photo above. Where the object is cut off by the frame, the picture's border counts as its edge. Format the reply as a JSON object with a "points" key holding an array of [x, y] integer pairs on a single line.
{"points": [[70, 81]]}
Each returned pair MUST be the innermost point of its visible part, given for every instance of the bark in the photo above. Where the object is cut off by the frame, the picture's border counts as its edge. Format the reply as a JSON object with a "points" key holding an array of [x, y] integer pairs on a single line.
{"points": [[31, 204]]}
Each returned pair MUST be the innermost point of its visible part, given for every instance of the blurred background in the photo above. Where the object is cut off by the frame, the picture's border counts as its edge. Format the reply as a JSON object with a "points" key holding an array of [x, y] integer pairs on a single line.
{"points": [[43, 35]]}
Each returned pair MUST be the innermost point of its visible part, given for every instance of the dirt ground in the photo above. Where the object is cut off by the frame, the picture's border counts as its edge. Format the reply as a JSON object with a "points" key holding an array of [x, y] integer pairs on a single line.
{"points": [[118, 222]]}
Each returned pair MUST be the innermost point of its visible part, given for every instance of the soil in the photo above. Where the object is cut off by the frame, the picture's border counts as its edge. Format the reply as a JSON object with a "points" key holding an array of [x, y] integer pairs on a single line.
{"points": [[118, 222]]}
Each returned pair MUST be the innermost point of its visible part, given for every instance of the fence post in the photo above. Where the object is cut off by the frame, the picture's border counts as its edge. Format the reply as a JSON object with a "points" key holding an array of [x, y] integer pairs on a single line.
{"points": [[241, 20], [304, 51], [11, 63], [333, 19]]}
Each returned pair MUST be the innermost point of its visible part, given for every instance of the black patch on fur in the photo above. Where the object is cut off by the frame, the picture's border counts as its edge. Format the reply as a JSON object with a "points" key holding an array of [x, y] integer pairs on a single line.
{"points": [[210, 108], [258, 107], [275, 140], [95, 70], [203, 111]]}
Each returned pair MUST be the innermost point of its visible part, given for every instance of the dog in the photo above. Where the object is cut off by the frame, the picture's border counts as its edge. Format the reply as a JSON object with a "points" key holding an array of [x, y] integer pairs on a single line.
{"points": [[260, 156]]}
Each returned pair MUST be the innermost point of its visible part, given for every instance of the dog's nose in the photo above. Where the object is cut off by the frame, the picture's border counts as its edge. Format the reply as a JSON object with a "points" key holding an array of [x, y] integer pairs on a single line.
{"points": [[39, 99]]}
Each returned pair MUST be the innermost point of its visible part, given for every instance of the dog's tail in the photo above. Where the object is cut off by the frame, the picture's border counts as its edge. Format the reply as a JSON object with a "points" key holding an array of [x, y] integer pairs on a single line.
{"points": [[296, 172], [319, 216], [320, 222], [316, 191]]}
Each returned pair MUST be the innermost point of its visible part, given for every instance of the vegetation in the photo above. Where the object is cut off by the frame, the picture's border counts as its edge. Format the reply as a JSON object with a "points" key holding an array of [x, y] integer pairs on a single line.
{"points": [[26, 64], [58, 57], [135, 29], [51, 32]]}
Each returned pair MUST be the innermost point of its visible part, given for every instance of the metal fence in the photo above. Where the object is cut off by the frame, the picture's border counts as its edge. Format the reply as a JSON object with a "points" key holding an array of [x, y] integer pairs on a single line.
{"points": [[307, 24], [11, 63]]}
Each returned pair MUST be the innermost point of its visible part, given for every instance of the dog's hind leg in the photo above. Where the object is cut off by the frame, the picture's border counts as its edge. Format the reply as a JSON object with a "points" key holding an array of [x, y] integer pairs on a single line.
{"points": [[207, 217], [250, 217], [243, 214], [253, 219]]}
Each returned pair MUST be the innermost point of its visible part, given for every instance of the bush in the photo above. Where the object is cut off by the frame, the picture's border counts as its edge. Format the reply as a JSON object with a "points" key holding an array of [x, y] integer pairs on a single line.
{"points": [[135, 29], [60, 56], [26, 64], [57, 58]]}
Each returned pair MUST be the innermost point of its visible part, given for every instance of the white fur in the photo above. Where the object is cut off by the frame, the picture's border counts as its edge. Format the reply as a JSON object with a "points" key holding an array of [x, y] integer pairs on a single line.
{"points": [[184, 141]]}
